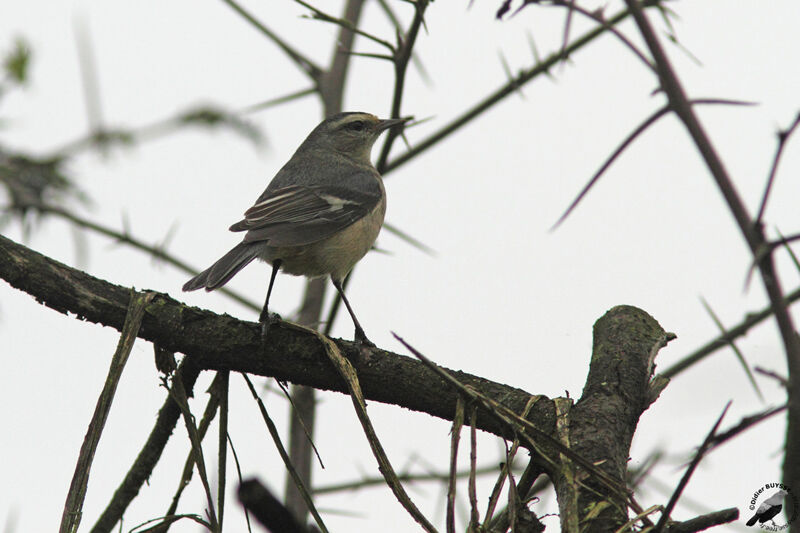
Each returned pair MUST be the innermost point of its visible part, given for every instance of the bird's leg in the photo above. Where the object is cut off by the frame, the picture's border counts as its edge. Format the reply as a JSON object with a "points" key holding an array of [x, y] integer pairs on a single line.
{"points": [[361, 337], [264, 317]]}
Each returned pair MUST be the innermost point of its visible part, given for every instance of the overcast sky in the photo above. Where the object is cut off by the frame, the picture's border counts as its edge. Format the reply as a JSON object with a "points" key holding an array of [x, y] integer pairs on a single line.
{"points": [[504, 297]]}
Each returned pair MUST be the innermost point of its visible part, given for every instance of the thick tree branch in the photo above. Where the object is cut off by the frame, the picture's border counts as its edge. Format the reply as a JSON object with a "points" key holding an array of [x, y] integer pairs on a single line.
{"points": [[599, 427], [222, 342]]}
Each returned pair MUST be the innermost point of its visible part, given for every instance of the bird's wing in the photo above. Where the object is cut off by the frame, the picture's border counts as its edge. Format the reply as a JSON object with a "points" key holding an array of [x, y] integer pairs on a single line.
{"points": [[765, 505], [776, 499], [299, 215]]}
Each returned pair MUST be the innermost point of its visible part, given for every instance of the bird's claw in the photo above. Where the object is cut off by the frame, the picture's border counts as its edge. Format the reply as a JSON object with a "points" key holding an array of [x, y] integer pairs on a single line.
{"points": [[266, 322]]}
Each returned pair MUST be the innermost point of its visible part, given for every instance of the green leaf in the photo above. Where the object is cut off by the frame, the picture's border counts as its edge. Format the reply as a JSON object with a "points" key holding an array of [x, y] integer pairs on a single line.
{"points": [[17, 61]]}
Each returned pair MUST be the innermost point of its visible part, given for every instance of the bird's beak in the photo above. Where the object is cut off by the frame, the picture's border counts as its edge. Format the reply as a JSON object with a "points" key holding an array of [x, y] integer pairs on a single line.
{"points": [[389, 122]]}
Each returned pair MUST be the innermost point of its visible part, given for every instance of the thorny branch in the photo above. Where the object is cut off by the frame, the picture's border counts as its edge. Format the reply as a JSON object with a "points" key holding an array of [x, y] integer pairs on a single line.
{"points": [[752, 233]]}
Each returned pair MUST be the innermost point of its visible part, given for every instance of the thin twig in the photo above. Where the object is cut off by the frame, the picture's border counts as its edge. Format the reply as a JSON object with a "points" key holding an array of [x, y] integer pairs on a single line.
{"points": [[401, 58], [706, 521], [222, 442], [783, 137], [403, 236], [751, 320], [514, 503], [505, 470], [736, 351], [510, 87], [455, 437], [752, 234], [272, 102], [597, 16], [641, 128], [276, 438], [743, 425], [782, 381], [792, 255], [209, 414], [142, 468], [239, 475], [372, 481], [521, 426], [178, 394], [344, 23], [267, 509], [348, 373], [90, 83], [689, 471], [124, 237], [299, 416], [71, 517], [306, 65], [207, 116], [472, 491]]}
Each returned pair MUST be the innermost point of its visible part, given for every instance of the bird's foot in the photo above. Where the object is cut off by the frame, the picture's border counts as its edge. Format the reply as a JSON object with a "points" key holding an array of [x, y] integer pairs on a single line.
{"points": [[363, 344], [266, 322]]}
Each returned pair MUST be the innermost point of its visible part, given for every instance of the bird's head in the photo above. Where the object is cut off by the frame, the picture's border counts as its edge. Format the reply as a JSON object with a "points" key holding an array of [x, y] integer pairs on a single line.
{"points": [[351, 134]]}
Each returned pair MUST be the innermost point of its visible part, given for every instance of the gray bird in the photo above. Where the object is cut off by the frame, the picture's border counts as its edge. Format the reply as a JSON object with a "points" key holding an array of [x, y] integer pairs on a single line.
{"points": [[769, 508], [319, 215]]}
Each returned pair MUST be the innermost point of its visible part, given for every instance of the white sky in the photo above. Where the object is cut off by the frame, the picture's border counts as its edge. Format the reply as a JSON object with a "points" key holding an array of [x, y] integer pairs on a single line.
{"points": [[504, 298]]}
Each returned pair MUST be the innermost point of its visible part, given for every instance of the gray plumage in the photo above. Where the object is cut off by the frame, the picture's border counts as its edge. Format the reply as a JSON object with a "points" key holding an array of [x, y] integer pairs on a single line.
{"points": [[769, 508], [321, 212]]}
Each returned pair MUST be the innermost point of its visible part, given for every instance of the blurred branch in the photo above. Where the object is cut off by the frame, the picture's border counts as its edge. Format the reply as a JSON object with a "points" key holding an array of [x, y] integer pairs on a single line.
{"points": [[273, 515], [403, 236], [89, 78], [157, 252], [272, 102], [741, 329], [208, 116], [368, 481], [31, 181], [736, 351]]}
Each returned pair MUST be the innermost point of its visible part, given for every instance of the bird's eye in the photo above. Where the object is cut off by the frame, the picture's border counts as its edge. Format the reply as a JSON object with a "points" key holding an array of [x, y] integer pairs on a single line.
{"points": [[356, 125]]}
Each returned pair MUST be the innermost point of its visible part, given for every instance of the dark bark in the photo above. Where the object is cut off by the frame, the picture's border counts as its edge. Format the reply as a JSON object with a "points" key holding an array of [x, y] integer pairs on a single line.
{"points": [[222, 342], [599, 427]]}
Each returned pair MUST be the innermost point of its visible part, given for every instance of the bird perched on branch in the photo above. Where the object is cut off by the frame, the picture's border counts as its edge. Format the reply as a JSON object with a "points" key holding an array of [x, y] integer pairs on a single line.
{"points": [[769, 508], [319, 215]]}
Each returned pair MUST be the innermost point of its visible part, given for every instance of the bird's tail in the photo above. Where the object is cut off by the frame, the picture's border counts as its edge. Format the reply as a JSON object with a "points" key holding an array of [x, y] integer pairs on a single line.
{"points": [[753, 520], [224, 269]]}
